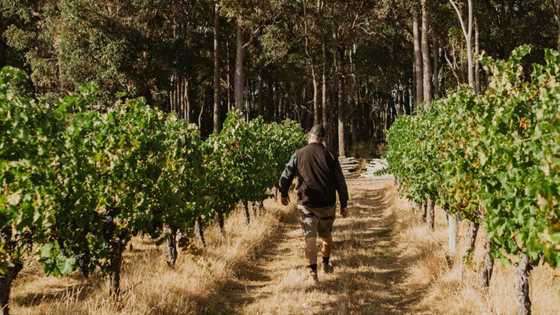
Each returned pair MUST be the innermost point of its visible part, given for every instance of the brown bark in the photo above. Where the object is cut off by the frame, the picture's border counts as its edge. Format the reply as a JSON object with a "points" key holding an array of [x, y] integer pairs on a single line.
{"points": [[6, 285], [172, 247], [523, 271], [426, 60], [418, 64], [116, 263], [247, 213], [488, 267], [216, 81], [430, 219], [239, 79], [199, 231], [470, 241], [221, 221]]}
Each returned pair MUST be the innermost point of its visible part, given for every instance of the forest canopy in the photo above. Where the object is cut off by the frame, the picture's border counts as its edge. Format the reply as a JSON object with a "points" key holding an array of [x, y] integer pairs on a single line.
{"points": [[350, 65]]}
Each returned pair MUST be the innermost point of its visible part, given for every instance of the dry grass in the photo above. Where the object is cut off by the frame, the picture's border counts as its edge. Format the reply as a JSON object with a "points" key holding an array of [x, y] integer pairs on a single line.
{"points": [[455, 291], [149, 286], [386, 262], [369, 266]]}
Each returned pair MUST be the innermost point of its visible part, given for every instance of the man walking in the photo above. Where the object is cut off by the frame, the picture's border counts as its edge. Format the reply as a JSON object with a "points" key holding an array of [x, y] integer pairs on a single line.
{"points": [[319, 178]]}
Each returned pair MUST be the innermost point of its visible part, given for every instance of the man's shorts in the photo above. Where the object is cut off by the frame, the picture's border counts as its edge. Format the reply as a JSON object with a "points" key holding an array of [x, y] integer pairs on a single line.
{"points": [[317, 221]]}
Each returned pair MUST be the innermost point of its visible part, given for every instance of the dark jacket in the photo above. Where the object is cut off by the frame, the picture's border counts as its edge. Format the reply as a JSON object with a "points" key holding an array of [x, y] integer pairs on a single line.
{"points": [[319, 177]]}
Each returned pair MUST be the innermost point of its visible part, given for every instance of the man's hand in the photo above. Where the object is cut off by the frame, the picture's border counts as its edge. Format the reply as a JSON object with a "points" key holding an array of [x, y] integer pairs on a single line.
{"points": [[344, 212], [285, 200]]}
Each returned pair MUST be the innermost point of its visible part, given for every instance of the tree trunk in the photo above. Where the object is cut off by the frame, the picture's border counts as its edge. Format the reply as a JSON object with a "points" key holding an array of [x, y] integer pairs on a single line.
{"points": [[202, 103], [216, 81], [470, 241], [116, 263], [476, 56], [324, 88], [83, 263], [452, 234], [316, 108], [523, 271], [488, 268], [260, 98], [467, 28], [261, 207], [188, 102], [311, 61], [255, 209], [247, 213], [435, 72], [470, 63], [228, 76], [425, 212], [340, 104], [172, 247], [352, 96], [418, 64], [186, 109], [6, 285], [557, 19], [199, 231], [431, 214], [426, 60], [239, 70], [556, 6], [221, 221], [269, 115]]}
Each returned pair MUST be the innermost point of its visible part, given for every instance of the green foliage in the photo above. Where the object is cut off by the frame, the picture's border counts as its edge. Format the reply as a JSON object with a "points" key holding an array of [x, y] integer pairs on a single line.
{"points": [[26, 133], [493, 157], [78, 184], [245, 159]]}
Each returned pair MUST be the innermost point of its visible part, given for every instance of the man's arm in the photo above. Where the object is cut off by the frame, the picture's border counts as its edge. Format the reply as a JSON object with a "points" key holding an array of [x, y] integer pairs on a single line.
{"points": [[341, 185], [290, 171]]}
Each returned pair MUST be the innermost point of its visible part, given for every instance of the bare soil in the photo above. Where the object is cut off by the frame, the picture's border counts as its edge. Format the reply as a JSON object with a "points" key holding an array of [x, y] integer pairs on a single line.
{"points": [[370, 268]]}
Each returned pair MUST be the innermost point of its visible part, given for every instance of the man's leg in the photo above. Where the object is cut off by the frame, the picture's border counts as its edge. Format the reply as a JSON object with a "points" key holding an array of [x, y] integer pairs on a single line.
{"points": [[325, 234], [309, 224], [311, 251]]}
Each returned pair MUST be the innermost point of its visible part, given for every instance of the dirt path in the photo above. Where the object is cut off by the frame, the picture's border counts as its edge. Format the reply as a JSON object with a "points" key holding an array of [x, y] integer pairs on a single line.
{"points": [[369, 276]]}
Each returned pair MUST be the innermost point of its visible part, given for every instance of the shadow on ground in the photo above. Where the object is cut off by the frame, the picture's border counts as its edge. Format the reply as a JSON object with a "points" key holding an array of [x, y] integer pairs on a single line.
{"points": [[252, 274], [372, 270]]}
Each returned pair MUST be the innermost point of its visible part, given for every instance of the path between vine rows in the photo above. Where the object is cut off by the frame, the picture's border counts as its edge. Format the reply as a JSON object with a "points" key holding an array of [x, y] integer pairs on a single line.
{"points": [[370, 268]]}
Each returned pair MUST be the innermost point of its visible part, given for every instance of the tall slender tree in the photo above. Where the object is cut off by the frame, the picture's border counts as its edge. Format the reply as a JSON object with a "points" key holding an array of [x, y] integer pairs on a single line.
{"points": [[216, 79], [418, 62], [467, 28], [426, 56]]}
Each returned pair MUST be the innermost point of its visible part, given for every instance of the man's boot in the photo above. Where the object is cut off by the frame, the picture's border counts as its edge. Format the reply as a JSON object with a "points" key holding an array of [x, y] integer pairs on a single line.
{"points": [[313, 273], [327, 267]]}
